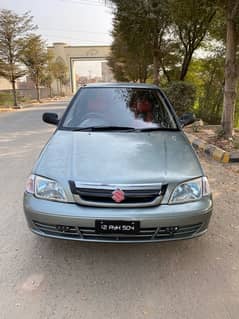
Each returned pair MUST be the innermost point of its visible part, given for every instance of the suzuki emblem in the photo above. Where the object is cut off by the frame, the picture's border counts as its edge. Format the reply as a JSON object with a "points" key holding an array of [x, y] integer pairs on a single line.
{"points": [[118, 195]]}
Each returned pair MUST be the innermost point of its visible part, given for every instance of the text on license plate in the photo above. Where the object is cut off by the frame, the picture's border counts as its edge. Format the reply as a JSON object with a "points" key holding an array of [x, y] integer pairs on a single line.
{"points": [[118, 226]]}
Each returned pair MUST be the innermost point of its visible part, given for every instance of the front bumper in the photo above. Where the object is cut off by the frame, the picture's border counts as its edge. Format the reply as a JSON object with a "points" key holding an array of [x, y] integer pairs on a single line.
{"points": [[159, 223]]}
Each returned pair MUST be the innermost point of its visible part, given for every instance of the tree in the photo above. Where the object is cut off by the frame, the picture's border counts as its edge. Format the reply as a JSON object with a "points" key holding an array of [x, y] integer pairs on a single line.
{"points": [[128, 63], [169, 31], [170, 60], [34, 56], [48, 77], [182, 96], [13, 29], [207, 75], [59, 71], [139, 30], [231, 69], [158, 20], [191, 22]]}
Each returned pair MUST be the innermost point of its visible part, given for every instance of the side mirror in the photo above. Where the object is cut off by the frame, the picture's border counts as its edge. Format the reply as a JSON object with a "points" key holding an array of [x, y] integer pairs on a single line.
{"points": [[50, 118], [187, 119]]}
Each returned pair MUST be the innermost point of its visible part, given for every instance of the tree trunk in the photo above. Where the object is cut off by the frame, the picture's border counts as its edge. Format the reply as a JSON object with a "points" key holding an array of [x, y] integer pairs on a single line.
{"points": [[145, 74], [50, 89], [230, 79], [186, 61], [166, 74], [60, 88], [14, 93], [156, 69], [38, 92], [142, 73]]}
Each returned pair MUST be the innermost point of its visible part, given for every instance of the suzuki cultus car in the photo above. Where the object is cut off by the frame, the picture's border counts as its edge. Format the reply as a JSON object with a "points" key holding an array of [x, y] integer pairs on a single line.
{"points": [[118, 168]]}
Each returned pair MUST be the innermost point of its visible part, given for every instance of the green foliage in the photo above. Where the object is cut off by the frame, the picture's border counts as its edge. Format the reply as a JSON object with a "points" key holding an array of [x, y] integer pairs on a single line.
{"points": [[218, 29], [13, 30], [207, 75], [6, 99], [139, 30], [128, 48], [127, 65], [236, 120], [48, 76], [59, 71], [181, 95], [158, 37], [34, 56], [191, 22]]}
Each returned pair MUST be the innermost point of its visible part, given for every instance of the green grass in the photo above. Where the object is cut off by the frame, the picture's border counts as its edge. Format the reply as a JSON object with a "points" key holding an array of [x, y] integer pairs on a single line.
{"points": [[6, 99]]}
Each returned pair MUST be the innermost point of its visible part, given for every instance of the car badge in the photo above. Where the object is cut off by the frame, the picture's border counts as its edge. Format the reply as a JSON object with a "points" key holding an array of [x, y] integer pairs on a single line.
{"points": [[118, 195]]}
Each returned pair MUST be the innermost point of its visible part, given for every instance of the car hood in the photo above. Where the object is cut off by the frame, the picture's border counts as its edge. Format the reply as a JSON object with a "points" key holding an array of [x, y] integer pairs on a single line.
{"points": [[118, 157]]}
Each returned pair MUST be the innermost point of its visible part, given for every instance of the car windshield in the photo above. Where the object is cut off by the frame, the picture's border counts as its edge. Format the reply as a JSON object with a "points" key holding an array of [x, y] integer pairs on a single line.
{"points": [[118, 108]]}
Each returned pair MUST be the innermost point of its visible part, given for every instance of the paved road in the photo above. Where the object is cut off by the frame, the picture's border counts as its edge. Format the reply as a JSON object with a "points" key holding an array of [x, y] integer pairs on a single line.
{"points": [[43, 278]]}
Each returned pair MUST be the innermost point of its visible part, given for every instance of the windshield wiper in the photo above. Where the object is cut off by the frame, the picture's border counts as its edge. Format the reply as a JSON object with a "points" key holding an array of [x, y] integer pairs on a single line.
{"points": [[121, 128], [104, 128], [149, 129]]}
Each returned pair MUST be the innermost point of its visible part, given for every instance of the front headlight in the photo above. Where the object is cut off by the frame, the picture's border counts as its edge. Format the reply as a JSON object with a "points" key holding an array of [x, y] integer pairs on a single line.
{"points": [[190, 191], [45, 188]]}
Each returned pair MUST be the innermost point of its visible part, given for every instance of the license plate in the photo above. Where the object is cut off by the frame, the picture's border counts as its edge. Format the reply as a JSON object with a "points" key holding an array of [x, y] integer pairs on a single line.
{"points": [[117, 227]]}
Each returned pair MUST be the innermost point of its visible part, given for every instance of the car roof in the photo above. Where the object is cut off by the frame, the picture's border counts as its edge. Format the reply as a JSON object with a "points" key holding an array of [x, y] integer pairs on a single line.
{"points": [[121, 85]]}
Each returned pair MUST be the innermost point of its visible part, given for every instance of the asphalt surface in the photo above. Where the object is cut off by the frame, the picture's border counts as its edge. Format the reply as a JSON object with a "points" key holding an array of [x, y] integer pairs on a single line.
{"points": [[45, 278]]}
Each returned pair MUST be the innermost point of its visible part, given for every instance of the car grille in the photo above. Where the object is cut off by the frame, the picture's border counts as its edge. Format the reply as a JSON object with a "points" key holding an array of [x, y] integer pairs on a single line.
{"points": [[177, 231], [57, 230], [145, 234], [135, 196]]}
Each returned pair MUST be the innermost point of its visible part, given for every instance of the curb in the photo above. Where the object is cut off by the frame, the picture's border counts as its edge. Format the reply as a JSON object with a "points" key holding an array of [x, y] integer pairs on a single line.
{"points": [[6, 109], [24, 106], [213, 151]]}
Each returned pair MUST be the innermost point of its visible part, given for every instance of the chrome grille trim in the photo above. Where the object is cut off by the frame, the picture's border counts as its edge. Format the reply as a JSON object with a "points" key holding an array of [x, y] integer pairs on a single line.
{"points": [[100, 195], [114, 186]]}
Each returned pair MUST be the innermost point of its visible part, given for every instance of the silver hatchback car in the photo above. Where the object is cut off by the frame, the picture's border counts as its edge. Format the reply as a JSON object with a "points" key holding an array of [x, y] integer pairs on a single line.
{"points": [[118, 168]]}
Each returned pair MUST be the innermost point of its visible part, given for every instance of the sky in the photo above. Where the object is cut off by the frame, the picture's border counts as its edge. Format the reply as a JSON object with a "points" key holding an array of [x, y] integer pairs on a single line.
{"points": [[90, 69], [75, 22]]}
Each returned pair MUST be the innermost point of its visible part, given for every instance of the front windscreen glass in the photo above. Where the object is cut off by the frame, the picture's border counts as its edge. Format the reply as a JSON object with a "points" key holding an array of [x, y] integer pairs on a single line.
{"points": [[118, 107]]}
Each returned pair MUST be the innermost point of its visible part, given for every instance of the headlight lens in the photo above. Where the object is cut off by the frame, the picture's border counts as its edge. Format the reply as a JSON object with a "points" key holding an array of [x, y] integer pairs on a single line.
{"points": [[205, 186], [190, 191], [45, 188], [30, 185]]}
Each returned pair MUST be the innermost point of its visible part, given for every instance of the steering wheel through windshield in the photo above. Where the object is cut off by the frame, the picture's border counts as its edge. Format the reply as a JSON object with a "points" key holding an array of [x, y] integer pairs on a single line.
{"points": [[95, 116]]}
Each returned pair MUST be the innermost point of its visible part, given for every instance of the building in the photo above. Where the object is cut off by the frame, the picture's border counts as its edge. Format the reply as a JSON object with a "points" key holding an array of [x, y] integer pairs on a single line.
{"points": [[107, 75], [69, 55], [5, 84]]}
